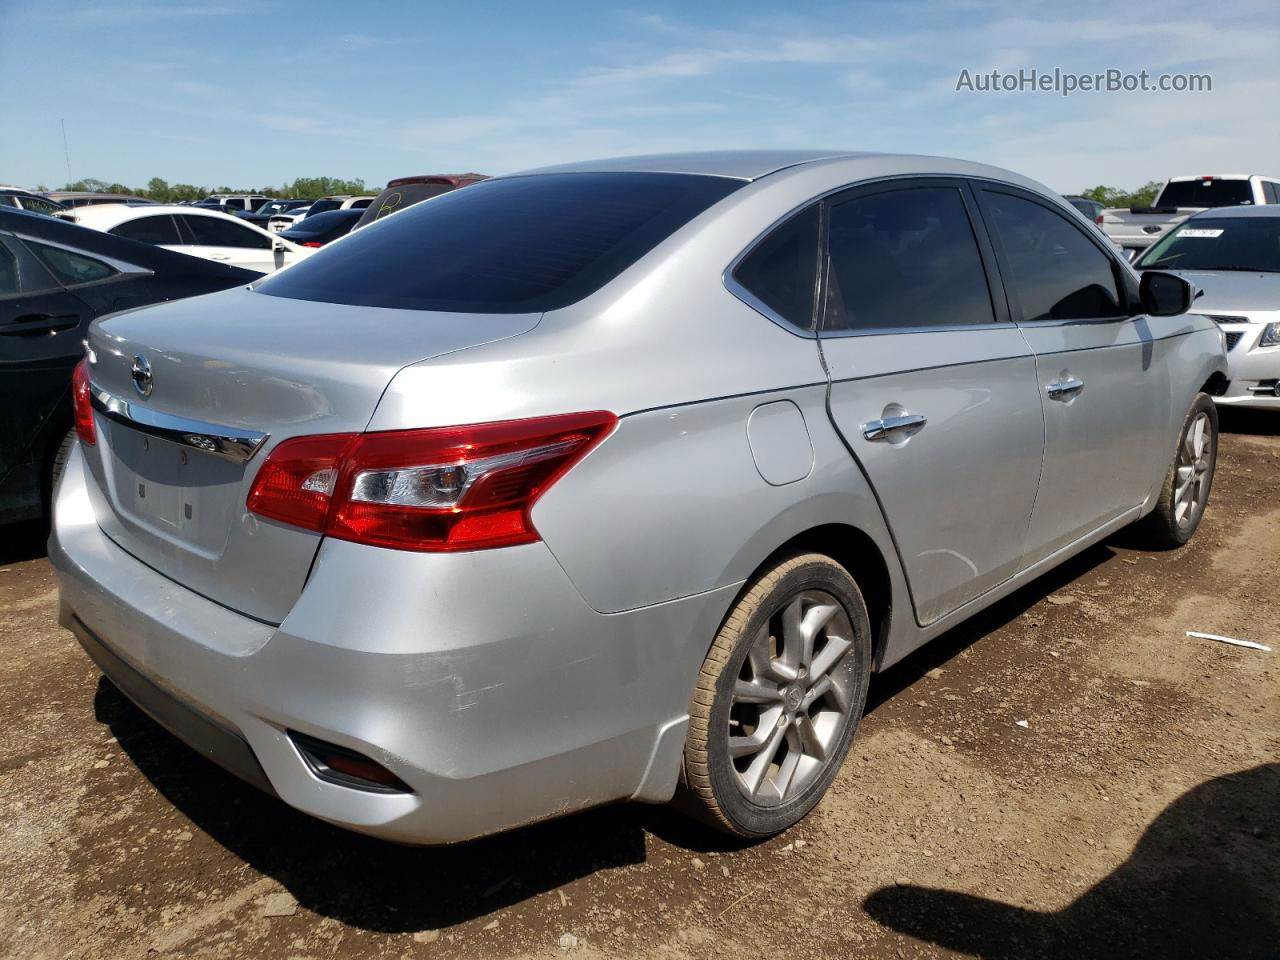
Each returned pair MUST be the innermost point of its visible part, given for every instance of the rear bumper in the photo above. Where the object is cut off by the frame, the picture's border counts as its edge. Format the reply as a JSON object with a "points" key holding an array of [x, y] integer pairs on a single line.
{"points": [[482, 680]]}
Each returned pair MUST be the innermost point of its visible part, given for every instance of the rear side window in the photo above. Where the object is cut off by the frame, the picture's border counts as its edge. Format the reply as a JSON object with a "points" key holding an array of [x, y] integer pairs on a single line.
{"points": [[158, 230], [522, 245], [320, 206], [1205, 193], [216, 232], [70, 269], [905, 258], [1272, 191], [782, 270], [1058, 273], [20, 272]]}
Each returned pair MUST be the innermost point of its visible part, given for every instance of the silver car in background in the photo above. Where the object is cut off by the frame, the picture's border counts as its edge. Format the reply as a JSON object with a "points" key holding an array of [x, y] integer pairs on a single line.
{"points": [[614, 481], [1233, 255]]}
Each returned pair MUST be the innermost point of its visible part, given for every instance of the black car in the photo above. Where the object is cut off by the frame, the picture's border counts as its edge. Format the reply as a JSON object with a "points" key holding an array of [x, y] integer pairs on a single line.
{"points": [[317, 230], [55, 279]]}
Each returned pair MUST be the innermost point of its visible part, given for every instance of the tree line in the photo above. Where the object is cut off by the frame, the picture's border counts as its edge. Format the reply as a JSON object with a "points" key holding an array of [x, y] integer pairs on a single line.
{"points": [[1144, 196], [164, 192]]}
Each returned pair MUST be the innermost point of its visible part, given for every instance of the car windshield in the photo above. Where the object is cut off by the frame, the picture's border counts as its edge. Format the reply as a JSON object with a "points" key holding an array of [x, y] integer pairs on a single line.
{"points": [[1205, 193], [1225, 243], [519, 245]]}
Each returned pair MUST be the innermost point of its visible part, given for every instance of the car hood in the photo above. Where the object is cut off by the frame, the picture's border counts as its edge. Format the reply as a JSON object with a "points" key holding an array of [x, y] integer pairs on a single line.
{"points": [[1230, 291]]}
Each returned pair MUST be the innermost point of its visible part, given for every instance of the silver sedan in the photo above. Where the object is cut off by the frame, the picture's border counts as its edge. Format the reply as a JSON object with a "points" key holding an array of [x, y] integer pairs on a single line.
{"points": [[614, 481]]}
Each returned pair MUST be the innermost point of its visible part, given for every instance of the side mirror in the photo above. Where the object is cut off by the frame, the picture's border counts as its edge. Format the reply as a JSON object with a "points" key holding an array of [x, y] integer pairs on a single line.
{"points": [[1165, 294], [278, 246]]}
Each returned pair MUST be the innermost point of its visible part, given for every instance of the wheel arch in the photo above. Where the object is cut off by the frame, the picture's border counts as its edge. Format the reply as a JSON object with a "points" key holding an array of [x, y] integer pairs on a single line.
{"points": [[856, 551]]}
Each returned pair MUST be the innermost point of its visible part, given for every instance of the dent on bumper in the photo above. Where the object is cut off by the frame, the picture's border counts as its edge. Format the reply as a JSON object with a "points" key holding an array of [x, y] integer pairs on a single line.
{"points": [[482, 680]]}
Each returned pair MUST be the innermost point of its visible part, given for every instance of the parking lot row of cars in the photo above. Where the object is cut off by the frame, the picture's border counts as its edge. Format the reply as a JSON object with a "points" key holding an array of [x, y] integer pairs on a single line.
{"points": [[745, 427]]}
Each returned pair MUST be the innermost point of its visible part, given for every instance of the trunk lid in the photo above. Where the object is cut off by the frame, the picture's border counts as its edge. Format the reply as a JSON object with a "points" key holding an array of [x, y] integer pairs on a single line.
{"points": [[241, 364]]}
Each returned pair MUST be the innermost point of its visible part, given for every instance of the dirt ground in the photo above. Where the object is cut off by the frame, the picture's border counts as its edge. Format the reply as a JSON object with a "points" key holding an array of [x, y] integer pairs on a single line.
{"points": [[1067, 776]]}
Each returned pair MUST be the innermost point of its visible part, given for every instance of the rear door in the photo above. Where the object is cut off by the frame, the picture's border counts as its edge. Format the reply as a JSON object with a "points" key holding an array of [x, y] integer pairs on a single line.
{"points": [[1095, 367], [41, 326], [933, 391], [229, 242]]}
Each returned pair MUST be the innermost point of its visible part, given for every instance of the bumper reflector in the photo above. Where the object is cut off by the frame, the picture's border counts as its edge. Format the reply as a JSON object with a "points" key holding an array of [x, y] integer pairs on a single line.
{"points": [[346, 768]]}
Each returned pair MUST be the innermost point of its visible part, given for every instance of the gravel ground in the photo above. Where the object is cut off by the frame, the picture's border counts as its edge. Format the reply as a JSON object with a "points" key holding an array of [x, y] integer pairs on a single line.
{"points": [[1066, 776]]}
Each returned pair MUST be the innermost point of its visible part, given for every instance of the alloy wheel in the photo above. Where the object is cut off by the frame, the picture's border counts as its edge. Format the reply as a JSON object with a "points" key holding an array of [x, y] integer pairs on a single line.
{"points": [[1195, 459], [792, 700]]}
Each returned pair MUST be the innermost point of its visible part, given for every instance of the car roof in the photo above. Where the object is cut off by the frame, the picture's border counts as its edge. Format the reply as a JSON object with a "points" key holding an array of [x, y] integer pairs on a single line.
{"points": [[757, 164], [737, 164], [454, 179], [1243, 211], [107, 215]]}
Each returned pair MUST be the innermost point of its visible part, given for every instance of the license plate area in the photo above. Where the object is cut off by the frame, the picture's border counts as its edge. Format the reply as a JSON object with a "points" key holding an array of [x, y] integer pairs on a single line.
{"points": [[172, 491]]}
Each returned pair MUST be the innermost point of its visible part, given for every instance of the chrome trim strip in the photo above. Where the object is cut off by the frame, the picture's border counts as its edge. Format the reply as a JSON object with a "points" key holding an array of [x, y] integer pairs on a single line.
{"points": [[232, 443]]}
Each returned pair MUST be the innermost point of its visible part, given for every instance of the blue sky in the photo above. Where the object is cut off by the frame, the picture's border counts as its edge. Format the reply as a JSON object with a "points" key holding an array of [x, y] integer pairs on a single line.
{"points": [[255, 94]]}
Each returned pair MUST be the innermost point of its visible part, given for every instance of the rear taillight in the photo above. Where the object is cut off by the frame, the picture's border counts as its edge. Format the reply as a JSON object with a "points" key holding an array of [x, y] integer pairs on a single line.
{"points": [[82, 405], [440, 489], [310, 243], [1098, 219]]}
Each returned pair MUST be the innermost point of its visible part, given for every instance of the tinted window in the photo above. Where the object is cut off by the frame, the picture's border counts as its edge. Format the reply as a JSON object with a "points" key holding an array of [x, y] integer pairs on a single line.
{"points": [[1057, 272], [40, 206], [521, 245], [907, 258], [320, 206], [8, 200], [1230, 243], [20, 272], [782, 270], [158, 230], [70, 268], [1205, 193], [1272, 192], [361, 204], [216, 232]]}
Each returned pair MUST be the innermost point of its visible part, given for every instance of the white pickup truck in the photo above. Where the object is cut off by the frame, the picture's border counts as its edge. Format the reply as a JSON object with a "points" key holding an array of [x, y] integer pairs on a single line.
{"points": [[1136, 228]]}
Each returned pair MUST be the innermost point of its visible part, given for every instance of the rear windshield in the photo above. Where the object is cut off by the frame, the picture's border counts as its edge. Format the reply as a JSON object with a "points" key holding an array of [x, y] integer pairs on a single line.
{"points": [[1205, 193], [1229, 243], [397, 198], [522, 245]]}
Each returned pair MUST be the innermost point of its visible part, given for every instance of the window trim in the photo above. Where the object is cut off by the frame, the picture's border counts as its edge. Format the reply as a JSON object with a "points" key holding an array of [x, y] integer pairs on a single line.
{"points": [[1125, 288], [1000, 308]]}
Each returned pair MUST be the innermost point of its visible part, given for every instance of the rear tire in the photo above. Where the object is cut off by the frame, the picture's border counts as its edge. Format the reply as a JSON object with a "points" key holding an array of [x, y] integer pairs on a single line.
{"points": [[1185, 492], [778, 699]]}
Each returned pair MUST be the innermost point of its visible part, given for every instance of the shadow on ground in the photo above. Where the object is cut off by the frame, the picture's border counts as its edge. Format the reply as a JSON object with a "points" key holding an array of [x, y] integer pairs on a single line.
{"points": [[1262, 423], [20, 542], [1202, 882]]}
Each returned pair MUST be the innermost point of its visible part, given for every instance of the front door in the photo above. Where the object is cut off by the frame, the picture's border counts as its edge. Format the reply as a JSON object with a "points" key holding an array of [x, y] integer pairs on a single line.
{"points": [[932, 389], [1095, 366], [235, 244]]}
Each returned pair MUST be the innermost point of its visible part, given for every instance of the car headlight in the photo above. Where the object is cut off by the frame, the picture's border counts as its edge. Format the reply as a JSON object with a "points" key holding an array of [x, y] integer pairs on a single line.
{"points": [[1270, 336]]}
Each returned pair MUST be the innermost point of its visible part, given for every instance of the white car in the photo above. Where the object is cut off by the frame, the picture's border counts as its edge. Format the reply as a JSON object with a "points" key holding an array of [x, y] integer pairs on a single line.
{"points": [[198, 232], [287, 219]]}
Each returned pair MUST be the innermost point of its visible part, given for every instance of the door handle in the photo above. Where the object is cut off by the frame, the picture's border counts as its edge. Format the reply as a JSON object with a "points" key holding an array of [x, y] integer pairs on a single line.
{"points": [[891, 427], [1066, 389], [32, 323]]}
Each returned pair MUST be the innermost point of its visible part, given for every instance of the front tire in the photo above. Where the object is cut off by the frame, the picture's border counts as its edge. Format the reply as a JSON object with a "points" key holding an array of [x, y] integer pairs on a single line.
{"points": [[1185, 492], [778, 698]]}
